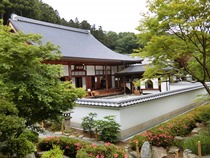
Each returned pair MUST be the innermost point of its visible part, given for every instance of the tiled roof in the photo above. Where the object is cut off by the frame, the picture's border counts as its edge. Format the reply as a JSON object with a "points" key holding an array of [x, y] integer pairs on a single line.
{"points": [[73, 42], [125, 101], [133, 69]]}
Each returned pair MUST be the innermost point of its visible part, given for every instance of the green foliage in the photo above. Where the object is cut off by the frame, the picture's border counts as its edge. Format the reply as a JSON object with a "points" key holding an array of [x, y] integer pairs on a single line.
{"points": [[108, 150], [192, 144], [108, 129], [21, 147], [176, 34], [34, 87], [55, 125], [140, 139], [126, 42], [163, 134], [30, 136], [88, 122], [10, 124], [76, 148], [203, 113], [68, 145], [56, 152]]}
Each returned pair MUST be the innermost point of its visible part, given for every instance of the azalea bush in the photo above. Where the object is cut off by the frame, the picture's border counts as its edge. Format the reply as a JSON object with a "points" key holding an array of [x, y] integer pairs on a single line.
{"points": [[203, 113], [102, 151], [79, 149], [163, 134], [68, 145]]}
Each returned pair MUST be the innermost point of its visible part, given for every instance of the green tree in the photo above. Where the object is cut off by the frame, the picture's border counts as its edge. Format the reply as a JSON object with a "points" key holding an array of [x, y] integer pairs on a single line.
{"points": [[3, 5], [177, 34], [34, 87], [27, 8], [111, 39], [48, 14], [85, 25], [126, 42]]}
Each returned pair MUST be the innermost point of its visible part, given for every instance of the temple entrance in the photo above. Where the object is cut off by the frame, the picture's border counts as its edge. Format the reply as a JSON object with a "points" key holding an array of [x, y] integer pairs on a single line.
{"points": [[78, 82]]}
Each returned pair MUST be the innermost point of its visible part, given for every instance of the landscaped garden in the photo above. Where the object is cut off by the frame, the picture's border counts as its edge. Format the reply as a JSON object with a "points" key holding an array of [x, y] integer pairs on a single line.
{"points": [[162, 135]]}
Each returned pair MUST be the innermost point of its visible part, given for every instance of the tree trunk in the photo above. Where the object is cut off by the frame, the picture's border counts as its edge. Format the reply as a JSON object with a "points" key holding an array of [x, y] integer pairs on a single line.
{"points": [[206, 87]]}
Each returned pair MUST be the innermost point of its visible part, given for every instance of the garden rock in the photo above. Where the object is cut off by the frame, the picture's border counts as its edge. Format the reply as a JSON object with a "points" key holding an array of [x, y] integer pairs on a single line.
{"points": [[173, 149], [195, 131], [186, 153], [32, 155], [179, 138], [158, 152], [192, 156], [133, 154], [146, 150], [58, 133]]}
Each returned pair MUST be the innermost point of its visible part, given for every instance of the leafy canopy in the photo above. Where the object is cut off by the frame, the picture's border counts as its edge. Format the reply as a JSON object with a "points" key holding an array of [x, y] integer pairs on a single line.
{"points": [[177, 34], [34, 87]]}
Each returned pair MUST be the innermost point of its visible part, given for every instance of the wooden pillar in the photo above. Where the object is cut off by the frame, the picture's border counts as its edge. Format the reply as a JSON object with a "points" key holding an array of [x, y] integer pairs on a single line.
{"points": [[107, 80], [124, 84], [69, 69]]}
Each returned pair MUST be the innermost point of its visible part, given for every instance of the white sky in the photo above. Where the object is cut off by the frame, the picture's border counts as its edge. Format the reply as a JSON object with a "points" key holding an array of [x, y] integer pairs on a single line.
{"points": [[112, 15]]}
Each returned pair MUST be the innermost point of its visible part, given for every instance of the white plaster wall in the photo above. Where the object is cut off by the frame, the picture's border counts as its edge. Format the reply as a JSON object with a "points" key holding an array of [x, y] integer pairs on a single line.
{"points": [[154, 81], [114, 69], [133, 115], [83, 83], [65, 71], [99, 67], [90, 70], [113, 82], [73, 80], [165, 86], [81, 111], [150, 91], [140, 113]]}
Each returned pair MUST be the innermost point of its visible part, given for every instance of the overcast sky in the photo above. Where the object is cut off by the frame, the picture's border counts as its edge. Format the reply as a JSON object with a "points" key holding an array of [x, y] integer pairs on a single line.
{"points": [[112, 15]]}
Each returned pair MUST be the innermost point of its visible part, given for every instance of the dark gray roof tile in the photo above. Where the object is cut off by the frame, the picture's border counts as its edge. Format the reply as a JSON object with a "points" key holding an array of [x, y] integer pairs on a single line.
{"points": [[73, 42]]}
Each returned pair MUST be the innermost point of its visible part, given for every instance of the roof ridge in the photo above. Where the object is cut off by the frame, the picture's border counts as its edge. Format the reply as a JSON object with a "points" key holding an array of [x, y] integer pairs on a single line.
{"points": [[38, 22]]}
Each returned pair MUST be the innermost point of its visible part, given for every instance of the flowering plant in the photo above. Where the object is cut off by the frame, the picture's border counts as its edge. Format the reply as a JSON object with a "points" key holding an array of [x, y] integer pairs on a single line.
{"points": [[102, 151]]}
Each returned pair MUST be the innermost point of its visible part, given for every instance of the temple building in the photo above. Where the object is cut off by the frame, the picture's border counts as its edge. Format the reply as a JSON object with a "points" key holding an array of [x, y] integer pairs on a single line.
{"points": [[86, 61]]}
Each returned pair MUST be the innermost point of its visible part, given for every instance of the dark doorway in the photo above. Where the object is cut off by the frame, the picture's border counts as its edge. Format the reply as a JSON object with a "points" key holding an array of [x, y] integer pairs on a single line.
{"points": [[103, 83], [93, 82], [78, 82]]}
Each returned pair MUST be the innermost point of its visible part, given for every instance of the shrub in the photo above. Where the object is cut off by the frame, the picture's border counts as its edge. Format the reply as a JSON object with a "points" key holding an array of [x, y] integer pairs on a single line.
{"points": [[30, 136], [203, 113], [56, 152], [21, 147], [157, 138], [138, 138], [102, 151], [68, 145], [88, 122], [108, 129], [163, 134], [192, 144], [55, 125]]}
